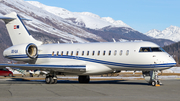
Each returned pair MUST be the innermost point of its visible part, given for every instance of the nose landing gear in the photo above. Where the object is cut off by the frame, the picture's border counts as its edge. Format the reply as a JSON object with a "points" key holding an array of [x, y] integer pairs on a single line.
{"points": [[152, 77], [155, 80]]}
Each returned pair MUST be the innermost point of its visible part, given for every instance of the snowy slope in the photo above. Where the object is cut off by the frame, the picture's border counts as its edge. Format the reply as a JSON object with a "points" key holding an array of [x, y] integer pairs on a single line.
{"points": [[172, 33], [86, 19], [45, 22]]}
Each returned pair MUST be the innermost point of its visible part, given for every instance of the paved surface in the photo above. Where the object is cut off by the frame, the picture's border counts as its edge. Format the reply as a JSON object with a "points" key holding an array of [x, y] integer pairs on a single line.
{"points": [[65, 90]]}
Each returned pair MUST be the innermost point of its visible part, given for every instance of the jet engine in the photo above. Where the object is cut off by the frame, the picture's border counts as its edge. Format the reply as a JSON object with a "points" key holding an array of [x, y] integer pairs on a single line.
{"points": [[32, 51], [22, 52]]}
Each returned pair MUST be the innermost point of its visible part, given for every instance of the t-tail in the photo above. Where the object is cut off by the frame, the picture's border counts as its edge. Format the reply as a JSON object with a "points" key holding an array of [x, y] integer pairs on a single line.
{"points": [[17, 30]]}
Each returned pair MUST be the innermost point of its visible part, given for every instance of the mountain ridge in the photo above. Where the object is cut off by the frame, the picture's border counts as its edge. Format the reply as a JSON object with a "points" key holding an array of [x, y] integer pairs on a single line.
{"points": [[171, 33], [90, 20]]}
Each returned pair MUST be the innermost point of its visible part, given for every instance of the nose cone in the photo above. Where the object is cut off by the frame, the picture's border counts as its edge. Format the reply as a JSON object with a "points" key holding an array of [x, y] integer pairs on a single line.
{"points": [[171, 61]]}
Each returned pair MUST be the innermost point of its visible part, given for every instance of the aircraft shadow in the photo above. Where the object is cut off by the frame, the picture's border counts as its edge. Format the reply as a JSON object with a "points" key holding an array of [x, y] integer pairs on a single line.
{"points": [[120, 82], [106, 82]]}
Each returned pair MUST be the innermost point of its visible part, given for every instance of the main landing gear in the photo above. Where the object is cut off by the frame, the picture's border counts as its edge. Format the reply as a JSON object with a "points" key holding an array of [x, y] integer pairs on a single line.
{"points": [[51, 79], [152, 77], [84, 79]]}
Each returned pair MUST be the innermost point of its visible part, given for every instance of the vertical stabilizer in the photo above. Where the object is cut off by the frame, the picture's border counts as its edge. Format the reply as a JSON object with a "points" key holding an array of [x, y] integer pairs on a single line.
{"points": [[17, 30]]}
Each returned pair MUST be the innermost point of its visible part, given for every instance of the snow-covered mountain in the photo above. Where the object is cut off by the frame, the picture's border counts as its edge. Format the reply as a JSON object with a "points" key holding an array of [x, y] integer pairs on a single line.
{"points": [[53, 23], [171, 33], [45, 22], [85, 19]]}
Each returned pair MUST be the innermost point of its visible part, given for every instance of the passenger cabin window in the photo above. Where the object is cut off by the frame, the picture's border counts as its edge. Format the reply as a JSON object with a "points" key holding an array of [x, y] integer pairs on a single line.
{"points": [[82, 53], [98, 53], [93, 53], [87, 53], [77, 52], [57, 53], [62, 53], [120, 52], [115, 52], [53, 53], [71, 53], [127, 52], [109, 52], [104, 52], [67, 52]]}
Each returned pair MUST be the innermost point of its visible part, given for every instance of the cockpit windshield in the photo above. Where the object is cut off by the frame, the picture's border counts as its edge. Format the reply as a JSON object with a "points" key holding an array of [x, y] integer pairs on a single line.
{"points": [[151, 49]]}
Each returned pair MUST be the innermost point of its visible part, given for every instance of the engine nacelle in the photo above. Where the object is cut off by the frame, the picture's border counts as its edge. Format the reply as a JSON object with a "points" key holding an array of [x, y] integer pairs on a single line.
{"points": [[22, 52]]}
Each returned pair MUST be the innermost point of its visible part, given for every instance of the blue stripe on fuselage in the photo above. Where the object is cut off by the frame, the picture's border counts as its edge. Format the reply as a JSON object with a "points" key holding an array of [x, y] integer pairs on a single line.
{"points": [[96, 61]]}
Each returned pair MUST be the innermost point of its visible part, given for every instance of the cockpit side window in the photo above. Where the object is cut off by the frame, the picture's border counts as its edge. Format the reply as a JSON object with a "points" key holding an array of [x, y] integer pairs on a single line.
{"points": [[145, 49], [156, 49], [151, 49]]}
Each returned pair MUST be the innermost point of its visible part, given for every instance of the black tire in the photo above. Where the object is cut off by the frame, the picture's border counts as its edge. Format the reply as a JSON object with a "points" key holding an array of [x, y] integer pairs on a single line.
{"points": [[48, 80], [31, 75], [54, 81], [84, 79], [153, 83], [10, 75]]}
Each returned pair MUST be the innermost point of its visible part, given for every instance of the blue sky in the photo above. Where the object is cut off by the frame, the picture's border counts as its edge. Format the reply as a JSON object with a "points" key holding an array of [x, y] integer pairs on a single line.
{"points": [[141, 15]]}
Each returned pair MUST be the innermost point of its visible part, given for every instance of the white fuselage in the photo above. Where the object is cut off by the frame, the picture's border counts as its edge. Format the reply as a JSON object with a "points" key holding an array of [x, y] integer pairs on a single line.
{"points": [[104, 57]]}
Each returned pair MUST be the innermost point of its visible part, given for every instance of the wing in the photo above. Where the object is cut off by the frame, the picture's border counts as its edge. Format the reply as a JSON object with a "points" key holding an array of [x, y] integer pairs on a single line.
{"points": [[58, 68]]}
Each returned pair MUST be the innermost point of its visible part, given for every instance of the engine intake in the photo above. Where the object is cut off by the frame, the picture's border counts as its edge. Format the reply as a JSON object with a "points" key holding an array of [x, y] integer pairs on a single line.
{"points": [[32, 51]]}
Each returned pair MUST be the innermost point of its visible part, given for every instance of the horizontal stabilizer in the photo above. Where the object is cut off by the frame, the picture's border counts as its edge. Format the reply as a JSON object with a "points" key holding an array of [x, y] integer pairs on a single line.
{"points": [[9, 18], [6, 18]]}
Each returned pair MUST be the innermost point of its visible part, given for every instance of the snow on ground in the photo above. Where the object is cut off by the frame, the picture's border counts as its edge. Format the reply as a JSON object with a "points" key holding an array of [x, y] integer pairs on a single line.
{"points": [[175, 69], [169, 77]]}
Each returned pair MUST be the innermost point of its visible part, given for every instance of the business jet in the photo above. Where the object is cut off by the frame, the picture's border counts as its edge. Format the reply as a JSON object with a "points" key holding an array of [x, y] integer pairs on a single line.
{"points": [[82, 59]]}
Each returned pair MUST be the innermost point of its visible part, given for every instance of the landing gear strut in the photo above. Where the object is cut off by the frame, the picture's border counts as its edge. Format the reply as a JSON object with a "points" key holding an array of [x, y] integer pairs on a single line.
{"points": [[84, 79], [152, 77], [155, 80], [51, 79]]}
